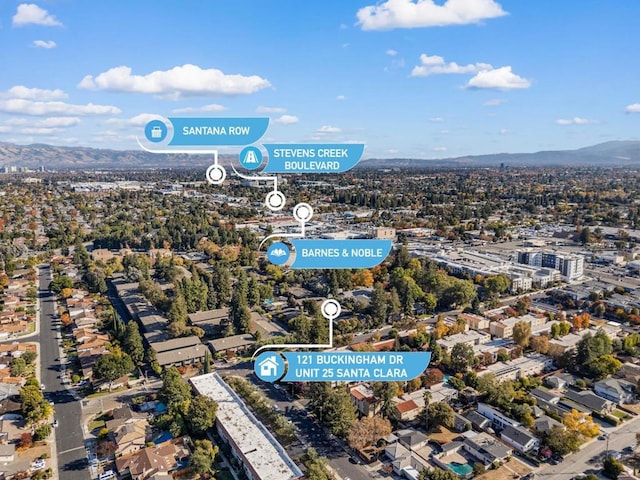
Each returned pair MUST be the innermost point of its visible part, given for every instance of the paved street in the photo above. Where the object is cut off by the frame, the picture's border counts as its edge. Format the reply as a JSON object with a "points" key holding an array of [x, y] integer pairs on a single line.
{"points": [[580, 462], [72, 462]]}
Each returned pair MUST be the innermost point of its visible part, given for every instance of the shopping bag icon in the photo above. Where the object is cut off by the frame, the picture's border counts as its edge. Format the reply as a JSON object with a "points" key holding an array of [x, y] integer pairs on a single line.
{"points": [[156, 132]]}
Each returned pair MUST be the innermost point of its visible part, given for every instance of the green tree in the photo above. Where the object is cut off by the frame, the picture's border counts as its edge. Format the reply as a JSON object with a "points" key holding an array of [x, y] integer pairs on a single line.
{"points": [[604, 366], [522, 305], [497, 284], [522, 333], [29, 357], [590, 349], [462, 357], [206, 363], [341, 413], [459, 293], [178, 311], [202, 458], [133, 342], [611, 468], [379, 307], [562, 441], [18, 367], [175, 392], [385, 392], [33, 405], [201, 415], [441, 414], [111, 367], [95, 280]]}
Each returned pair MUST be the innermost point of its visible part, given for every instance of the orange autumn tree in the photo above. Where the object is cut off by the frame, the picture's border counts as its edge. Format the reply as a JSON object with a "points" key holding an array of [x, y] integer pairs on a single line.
{"points": [[581, 321]]}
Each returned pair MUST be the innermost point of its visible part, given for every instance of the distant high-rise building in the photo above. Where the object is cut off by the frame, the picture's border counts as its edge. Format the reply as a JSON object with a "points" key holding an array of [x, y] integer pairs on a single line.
{"points": [[570, 266]]}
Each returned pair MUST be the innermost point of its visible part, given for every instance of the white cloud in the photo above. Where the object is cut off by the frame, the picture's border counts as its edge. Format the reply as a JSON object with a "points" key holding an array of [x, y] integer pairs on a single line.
{"points": [[426, 13], [214, 107], [328, 129], [286, 120], [392, 151], [5, 128], [494, 102], [39, 131], [44, 44], [633, 108], [185, 80], [439, 149], [16, 121], [28, 13], [341, 97], [29, 107], [504, 131], [436, 119], [391, 52], [139, 120], [20, 91], [574, 121], [57, 122], [142, 119], [498, 78], [262, 109], [435, 65]]}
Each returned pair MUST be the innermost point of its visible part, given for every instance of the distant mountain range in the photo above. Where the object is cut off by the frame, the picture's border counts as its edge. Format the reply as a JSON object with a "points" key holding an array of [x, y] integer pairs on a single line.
{"points": [[610, 154]]}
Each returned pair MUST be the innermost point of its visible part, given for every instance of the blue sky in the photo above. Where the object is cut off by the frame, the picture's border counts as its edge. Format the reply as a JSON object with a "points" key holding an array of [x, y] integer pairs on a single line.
{"points": [[410, 78]]}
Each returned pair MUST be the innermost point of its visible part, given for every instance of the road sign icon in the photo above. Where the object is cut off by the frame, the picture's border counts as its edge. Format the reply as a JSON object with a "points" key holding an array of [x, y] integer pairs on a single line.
{"points": [[250, 158]]}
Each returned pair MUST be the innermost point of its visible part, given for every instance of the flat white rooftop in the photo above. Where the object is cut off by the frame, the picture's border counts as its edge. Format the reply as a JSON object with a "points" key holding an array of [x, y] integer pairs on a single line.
{"points": [[263, 452]]}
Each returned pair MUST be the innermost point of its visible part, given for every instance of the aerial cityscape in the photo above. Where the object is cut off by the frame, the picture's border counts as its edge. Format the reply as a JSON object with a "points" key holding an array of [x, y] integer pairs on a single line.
{"points": [[285, 240]]}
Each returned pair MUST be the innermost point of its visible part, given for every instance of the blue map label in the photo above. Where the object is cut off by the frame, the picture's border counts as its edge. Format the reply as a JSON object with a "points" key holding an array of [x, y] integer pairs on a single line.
{"points": [[355, 366], [209, 131], [312, 158], [339, 253]]}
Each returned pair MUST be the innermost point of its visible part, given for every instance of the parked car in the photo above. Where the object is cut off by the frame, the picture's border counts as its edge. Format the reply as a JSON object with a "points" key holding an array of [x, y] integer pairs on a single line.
{"points": [[38, 464]]}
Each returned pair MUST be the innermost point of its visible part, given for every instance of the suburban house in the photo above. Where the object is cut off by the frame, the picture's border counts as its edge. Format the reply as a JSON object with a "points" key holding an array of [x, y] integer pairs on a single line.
{"points": [[163, 458], [618, 391], [545, 423], [478, 422], [487, 449], [590, 400], [499, 419], [405, 410], [363, 398], [520, 439], [130, 437], [403, 459]]}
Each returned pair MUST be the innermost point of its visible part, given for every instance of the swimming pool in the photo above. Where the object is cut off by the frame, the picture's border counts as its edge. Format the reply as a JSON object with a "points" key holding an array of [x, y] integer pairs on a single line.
{"points": [[462, 469]]}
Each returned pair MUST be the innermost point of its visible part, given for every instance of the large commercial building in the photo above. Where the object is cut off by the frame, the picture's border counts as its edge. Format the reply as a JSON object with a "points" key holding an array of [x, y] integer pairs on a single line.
{"points": [[260, 454], [571, 266]]}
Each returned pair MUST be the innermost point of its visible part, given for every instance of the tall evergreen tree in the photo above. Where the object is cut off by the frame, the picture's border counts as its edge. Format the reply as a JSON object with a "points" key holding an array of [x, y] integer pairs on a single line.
{"points": [[132, 342]]}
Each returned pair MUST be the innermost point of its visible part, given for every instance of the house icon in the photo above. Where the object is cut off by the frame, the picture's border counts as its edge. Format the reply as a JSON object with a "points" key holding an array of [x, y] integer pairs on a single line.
{"points": [[269, 367]]}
